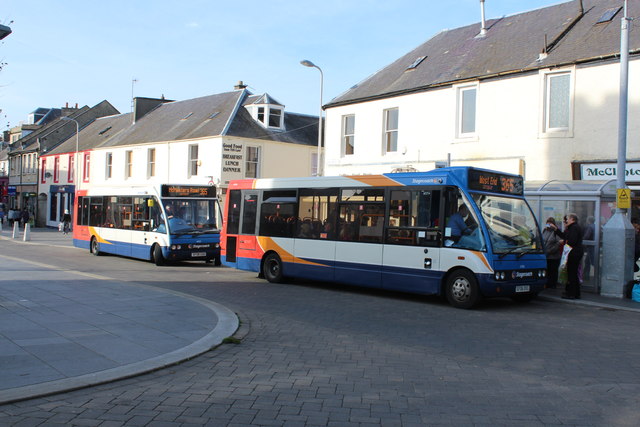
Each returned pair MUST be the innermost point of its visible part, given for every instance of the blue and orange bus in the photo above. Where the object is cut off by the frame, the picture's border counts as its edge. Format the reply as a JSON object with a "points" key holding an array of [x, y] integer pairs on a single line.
{"points": [[165, 223], [461, 232]]}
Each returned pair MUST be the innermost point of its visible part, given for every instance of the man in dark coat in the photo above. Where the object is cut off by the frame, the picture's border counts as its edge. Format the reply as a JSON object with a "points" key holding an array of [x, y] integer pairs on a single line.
{"points": [[572, 236]]}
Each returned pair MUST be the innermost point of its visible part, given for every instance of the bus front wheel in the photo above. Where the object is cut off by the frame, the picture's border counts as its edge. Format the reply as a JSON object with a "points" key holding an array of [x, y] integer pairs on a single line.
{"points": [[95, 247], [462, 289], [158, 258], [272, 268]]}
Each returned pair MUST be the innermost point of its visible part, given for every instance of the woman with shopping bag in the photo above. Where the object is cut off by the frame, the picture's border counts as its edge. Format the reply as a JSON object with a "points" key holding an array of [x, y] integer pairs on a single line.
{"points": [[573, 251]]}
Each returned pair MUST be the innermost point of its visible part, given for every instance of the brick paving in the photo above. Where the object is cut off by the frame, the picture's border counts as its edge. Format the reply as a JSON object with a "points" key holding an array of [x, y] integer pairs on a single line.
{"points": [[314, 355]]}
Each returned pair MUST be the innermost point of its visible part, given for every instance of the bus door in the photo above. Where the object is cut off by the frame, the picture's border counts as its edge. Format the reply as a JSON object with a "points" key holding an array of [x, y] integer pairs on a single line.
{"points": [[359, 246], [230, 245], [411, 258], [315, 233]]}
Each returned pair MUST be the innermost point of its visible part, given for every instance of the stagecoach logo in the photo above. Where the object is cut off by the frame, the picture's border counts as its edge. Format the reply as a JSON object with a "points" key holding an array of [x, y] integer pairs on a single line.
{"points": [[521, 274], [200, 246], [418, 181]]}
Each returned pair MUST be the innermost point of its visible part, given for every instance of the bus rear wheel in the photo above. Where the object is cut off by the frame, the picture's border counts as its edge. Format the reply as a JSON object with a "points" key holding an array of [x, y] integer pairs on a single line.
{"points": [[272, 268], [95, 247], [462, 289], [158, 258]]}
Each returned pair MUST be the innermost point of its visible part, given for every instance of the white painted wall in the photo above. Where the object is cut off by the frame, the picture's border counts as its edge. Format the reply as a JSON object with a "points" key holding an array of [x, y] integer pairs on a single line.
{"points": [[509, 127]]}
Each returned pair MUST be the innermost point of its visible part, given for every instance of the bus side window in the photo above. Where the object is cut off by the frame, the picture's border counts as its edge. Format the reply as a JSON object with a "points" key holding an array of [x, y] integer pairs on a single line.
{"points": [[317, 213], [414, 218]]}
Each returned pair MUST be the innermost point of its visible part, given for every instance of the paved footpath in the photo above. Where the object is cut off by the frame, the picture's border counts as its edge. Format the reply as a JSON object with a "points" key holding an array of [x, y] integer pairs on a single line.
{"points": [[60, 331]]}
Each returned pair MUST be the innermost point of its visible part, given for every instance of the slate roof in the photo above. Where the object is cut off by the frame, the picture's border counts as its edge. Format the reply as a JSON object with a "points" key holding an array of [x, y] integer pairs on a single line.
{"points": [[54, 133], [208, 116], [567, 32]]}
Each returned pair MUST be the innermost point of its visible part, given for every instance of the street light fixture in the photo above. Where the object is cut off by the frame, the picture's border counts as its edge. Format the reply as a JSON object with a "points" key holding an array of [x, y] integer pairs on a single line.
{"points": [[76, 169], [310, 64]]}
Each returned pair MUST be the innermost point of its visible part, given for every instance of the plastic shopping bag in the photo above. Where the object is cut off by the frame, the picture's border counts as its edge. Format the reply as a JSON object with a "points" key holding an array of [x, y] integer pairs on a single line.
{"points": [[565, 256]]}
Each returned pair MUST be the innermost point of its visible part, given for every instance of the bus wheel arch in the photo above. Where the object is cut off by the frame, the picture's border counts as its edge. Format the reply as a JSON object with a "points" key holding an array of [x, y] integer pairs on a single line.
{"points": [[157, 256], [461, 288], [94, 246], [271, 267]]}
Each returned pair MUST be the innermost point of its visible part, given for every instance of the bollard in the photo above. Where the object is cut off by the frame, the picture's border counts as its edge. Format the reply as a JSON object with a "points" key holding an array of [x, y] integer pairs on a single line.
{"points": [[16, 229], [27, 233]]}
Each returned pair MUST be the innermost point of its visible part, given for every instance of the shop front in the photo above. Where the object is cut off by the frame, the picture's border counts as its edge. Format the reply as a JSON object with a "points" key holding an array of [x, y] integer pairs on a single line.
{"points": [[593, 201], [605, 170], [60, 198]]}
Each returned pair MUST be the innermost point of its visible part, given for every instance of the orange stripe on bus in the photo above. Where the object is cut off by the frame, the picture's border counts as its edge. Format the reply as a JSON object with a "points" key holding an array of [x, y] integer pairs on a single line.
{"points": [[267, 244], [482, 258], [375, 180], [93, 232]]}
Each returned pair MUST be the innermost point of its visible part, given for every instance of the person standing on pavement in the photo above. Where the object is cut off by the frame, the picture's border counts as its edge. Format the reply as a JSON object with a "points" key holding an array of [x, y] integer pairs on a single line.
{"points": [[553, 250], [24, 217], [66, 221], [572, 236]]}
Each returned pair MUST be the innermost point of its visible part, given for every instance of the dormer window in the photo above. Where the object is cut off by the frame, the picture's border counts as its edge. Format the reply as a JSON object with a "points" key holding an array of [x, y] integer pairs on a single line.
{"points": [[269, 116], [267, 111]]}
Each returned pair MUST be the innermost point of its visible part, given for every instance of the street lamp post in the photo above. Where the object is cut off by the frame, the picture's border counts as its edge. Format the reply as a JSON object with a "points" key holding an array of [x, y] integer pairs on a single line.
{"points": [[75, 156], [618, 233], [310, 64]]}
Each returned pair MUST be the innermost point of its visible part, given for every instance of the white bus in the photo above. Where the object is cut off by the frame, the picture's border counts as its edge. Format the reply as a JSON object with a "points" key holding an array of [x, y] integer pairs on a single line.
{"points": [[164, 223]]}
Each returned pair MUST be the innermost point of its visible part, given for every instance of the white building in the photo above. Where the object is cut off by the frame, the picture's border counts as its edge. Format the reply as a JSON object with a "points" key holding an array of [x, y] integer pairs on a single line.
{"points": [[535, 93], [208, 140]]}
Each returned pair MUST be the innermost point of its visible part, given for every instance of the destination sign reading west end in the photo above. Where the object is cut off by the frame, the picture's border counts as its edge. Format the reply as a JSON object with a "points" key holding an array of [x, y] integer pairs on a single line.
{"points": [[495, 182], [188, 190]]}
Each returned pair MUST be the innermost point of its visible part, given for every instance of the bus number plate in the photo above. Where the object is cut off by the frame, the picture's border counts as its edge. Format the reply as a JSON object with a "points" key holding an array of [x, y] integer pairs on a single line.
{"points": [[522, 288], [197, 254]]}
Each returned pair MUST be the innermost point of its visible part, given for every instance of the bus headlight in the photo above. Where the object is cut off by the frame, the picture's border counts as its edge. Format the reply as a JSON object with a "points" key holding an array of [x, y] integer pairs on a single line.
{"points": [[217, 245], [499, 275], [542, 273], [175, 247]]}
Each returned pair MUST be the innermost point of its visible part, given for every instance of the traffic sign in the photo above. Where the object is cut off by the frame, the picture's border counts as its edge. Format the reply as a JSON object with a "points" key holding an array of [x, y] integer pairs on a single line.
{"points": [[623, 198]]}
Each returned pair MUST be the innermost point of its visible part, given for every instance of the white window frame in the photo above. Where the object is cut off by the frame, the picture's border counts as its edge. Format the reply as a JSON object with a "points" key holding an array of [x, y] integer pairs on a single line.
{"points": [[128, 164], [108, 165], [346, 137], [460, 91], [546, 128], [389, 131], [194, 162], [86, 169], [248, 161], [151, 162]]}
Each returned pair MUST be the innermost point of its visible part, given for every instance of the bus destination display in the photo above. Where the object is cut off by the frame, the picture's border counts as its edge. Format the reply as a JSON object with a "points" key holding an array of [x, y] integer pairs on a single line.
{"points": [[188, 191], [495, 182]]}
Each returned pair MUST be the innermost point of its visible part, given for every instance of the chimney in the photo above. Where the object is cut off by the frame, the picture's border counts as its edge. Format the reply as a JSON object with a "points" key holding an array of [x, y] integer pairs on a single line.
{"points": [[483, 25], [240, 85]]}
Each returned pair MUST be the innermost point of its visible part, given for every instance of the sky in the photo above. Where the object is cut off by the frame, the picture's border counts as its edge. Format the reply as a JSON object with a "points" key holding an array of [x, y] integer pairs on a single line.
{"points": [[85, 52]]}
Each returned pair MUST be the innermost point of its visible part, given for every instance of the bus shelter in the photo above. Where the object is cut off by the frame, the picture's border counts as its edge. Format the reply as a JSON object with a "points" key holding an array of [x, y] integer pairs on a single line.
{"points": [[593, 201]]}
